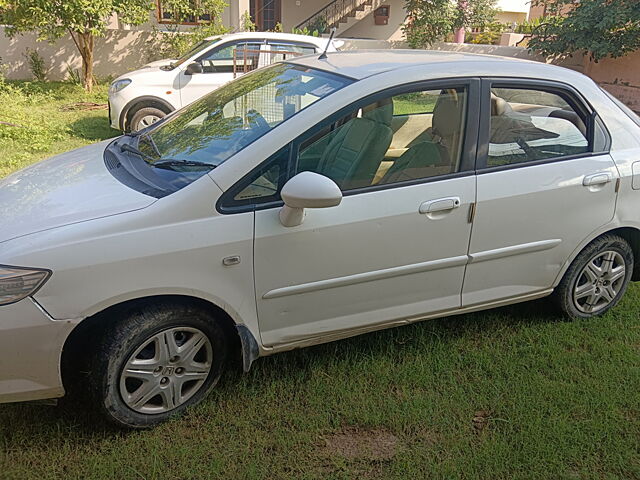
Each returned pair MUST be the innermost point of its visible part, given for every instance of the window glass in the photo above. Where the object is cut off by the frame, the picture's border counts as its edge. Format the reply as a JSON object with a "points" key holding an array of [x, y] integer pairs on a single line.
{"points": [[265, 183], [289, 50], [220, 60], [406, 137], [203, 45], [529, 125]]}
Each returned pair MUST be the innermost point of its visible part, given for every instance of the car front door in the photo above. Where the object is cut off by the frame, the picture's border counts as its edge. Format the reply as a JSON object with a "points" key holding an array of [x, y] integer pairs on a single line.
{"points": [[220, 65], [545, 183], [396, 247]]}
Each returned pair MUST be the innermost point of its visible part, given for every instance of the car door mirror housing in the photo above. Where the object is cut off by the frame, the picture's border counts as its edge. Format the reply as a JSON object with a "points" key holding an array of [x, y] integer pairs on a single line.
{"points": [[307, 190], [193, 68]]}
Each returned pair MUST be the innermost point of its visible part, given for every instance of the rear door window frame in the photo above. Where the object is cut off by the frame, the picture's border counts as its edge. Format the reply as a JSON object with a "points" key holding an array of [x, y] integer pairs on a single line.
{"points": [[577, 101]]}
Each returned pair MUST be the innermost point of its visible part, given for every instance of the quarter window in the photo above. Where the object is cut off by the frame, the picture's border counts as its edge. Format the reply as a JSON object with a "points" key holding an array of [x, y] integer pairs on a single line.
{"points": [[530, 124], [402, 138]]}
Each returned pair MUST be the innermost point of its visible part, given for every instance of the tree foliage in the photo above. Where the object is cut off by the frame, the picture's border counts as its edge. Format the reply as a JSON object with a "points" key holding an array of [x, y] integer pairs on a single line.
{"points": [[430, 21], [82, 19], [600, 28]]}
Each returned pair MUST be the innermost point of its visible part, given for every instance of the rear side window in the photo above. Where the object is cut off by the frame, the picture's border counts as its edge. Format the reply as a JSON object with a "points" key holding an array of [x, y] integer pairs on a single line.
{"points": [[292, 49], [528, 125]]}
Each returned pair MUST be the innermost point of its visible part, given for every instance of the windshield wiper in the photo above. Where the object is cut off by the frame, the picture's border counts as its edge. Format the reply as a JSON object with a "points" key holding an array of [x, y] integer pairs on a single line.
{"points": [[169, 163], [125, 147]]}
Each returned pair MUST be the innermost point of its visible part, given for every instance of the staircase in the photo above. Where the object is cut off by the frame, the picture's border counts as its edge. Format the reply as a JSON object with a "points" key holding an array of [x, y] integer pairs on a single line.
{"points": [[338, 14]]}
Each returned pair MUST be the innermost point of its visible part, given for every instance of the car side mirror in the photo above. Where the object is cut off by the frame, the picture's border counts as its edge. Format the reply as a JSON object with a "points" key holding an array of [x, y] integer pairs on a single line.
{"points": [[193, 68], [307, 190]]}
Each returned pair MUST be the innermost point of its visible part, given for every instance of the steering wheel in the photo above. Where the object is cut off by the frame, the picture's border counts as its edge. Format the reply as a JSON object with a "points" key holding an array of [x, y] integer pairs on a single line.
{"points": [[258, 120]]}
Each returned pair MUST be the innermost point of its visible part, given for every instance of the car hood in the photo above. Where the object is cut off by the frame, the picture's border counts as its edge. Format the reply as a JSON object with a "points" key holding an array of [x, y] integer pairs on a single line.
{"points": [[68, 188]]}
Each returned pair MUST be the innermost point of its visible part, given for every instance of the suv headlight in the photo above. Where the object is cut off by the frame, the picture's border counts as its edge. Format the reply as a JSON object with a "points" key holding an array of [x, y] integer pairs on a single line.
{"points": [[17, 283], [118, 85]]}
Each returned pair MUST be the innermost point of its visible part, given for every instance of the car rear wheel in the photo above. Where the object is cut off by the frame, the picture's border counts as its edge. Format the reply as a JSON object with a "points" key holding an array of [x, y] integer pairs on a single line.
{"points": [[597, 279], [145, 117], [156, 362]]}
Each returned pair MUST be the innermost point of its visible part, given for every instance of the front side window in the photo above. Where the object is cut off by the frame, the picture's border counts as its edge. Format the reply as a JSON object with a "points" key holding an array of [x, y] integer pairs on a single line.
{"points": [[528, 124], [199, 47], [244, 56], [209, 131], [405, 137]]}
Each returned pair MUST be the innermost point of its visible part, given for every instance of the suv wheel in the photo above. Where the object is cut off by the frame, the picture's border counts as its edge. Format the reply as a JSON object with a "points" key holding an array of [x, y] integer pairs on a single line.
{"points": [[144, 117], [597, 278], [156, 362]]}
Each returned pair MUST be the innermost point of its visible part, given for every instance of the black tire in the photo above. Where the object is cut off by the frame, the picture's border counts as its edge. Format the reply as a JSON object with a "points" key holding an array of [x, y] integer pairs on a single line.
{"points": [[566, 296], [139, 116], [131, 332]]}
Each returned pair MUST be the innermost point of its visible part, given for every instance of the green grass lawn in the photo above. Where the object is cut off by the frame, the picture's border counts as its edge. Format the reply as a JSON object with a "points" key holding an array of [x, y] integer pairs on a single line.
{"points": [[39, 125], [512, 393]]}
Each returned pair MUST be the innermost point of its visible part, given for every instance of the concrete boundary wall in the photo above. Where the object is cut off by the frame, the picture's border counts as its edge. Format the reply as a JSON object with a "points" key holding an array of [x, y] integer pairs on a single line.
{"points": [[118, 52]]}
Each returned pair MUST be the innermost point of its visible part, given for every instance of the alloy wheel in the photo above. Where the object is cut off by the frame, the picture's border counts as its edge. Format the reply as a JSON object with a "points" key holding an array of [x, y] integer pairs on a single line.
{"points": [[147, 120], [599, 282]]}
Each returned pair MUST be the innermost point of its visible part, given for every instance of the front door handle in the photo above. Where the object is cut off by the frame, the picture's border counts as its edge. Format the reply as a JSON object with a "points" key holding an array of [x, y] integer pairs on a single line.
{"points": [[596, 179], [440, 205]]}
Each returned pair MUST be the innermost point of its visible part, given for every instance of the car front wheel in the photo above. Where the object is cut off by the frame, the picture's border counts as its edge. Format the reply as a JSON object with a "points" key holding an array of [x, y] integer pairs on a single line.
{"points": [[155, 362], [597, 278], [145, 117]]}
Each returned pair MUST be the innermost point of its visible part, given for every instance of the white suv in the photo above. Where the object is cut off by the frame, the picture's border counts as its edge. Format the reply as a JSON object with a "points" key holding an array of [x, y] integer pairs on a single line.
{"points": [[144, 96]]}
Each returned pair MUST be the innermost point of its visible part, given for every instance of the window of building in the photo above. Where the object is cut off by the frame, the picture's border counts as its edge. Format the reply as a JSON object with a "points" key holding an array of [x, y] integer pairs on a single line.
{"points": [[167, 15]]}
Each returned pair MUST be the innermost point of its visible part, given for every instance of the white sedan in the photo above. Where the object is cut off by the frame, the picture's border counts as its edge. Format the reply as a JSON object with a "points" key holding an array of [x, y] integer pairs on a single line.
{"points": [[305, 202]]}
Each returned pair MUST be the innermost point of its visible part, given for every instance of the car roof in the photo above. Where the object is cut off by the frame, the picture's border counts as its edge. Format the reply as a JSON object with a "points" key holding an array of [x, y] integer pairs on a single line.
{"points": [[359, 64], [291, 37]]}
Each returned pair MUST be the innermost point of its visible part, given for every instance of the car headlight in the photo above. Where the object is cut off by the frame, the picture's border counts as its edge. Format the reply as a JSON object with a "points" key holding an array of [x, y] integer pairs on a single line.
{"points": [[17, 283], [118, 85]]}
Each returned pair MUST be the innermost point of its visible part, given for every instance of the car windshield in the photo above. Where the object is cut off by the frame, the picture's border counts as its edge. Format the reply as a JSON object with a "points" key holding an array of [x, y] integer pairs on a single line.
{"points": [[201, 136], [199, 47]]}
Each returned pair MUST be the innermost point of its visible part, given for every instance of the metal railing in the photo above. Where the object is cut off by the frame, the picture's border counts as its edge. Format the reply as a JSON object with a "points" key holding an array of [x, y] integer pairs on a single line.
{"points": [[332, 14]]}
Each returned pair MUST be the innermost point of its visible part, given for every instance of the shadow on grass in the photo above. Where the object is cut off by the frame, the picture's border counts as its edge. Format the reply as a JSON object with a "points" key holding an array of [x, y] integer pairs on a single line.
{"points": [[93, 128], [72, 417]]}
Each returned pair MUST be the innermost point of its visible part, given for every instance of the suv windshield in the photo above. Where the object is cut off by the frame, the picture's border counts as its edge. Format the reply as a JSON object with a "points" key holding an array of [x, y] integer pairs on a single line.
{"points": [[196, 139]]}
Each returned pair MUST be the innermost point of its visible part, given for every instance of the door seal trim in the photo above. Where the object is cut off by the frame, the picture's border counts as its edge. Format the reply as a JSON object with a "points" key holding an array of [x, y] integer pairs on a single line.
{"points": [[367, 277], [514, 250]]}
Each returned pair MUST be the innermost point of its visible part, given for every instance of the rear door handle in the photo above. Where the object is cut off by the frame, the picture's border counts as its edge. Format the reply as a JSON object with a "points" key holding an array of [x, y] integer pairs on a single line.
{"points": [[440, 205], [596, 179]]}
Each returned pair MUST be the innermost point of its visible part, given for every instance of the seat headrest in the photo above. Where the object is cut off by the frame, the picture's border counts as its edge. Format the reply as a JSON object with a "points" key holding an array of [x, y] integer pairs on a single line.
{"points": [[499, 106], [379, 112], [446, 115]]}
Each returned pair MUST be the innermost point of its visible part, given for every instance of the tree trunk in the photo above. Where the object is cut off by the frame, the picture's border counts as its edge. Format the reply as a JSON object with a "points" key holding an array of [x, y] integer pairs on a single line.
{"points": [[85, 42]]}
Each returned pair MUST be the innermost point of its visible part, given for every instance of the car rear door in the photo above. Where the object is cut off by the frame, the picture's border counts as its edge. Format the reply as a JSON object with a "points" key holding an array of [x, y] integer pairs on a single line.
{"points": [[545, 183]]}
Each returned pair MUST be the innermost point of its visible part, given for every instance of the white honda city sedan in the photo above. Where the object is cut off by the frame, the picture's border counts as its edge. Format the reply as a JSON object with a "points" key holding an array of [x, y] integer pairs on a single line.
{"points": [[310, 201]]}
